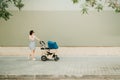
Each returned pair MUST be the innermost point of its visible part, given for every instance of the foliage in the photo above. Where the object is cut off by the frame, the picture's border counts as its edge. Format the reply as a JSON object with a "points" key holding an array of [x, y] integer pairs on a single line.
{"points": [[84, 10], [99, 5], [75, 1], [4, 5]]}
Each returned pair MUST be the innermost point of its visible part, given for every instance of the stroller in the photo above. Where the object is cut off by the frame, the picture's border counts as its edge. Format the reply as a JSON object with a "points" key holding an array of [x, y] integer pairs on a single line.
{"points": [[47, 52]]}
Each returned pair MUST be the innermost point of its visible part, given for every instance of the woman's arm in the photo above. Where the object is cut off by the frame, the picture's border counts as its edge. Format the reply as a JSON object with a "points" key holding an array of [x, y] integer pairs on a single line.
{"points": [[37, 38]]}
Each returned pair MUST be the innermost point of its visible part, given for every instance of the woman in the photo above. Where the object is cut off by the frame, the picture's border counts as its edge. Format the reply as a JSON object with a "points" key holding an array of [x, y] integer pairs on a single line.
{"points": [[32, 44]]}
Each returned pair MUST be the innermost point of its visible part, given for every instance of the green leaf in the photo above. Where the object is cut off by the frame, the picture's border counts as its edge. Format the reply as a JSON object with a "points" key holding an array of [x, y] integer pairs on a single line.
{"points": [[112, 4], [84, 10], [91, 2], [75, 1], [4, 4], [1, 1], [99, 7], [5, 14], [19, 4], [117, 10]]}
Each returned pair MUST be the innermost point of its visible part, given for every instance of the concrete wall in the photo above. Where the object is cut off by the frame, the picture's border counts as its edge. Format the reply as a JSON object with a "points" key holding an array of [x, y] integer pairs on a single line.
{"points": [[68, 28], [60, 21]]}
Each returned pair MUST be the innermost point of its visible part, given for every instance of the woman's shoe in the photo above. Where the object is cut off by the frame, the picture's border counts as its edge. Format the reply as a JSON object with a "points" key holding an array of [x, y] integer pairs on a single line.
{"points": [[33, 59]]}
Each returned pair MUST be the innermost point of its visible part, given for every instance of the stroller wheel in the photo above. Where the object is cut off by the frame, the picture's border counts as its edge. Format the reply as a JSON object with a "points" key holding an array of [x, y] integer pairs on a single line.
{"points": [[43, 58], [56, 58]]}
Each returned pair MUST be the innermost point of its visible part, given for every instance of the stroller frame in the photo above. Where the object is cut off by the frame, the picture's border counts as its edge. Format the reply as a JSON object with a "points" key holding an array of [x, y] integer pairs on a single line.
{"points": [[46, 52]]}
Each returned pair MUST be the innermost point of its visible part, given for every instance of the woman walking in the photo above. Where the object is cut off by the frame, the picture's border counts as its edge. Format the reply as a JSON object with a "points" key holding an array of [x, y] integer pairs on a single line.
{"points": [[32, 44]]}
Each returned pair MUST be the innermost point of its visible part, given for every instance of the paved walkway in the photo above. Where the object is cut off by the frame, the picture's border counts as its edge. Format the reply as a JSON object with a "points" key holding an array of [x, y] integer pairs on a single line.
{"points": [[64, 51], [87, 68]]}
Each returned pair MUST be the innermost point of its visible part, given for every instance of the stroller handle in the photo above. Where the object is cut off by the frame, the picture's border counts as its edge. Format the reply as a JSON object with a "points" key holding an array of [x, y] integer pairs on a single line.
{"points": [[42, 42]]}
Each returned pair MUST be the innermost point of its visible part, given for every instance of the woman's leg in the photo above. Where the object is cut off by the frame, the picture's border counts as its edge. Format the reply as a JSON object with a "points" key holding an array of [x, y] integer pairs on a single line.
{"points": [[33, 53], [29, 56]]}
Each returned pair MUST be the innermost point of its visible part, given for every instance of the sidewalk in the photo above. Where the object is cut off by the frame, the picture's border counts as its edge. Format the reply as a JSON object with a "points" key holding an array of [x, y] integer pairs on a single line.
{"points": [[64, 51], [67, 68], [76, 63]]}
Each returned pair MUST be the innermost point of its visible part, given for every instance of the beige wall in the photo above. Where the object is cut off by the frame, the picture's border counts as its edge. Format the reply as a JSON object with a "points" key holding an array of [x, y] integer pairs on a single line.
{"points": [[68, 28]]}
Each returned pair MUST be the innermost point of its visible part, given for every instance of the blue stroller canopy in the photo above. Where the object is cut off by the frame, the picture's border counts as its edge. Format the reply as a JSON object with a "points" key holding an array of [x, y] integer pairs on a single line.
{"points": [[52, 45]]}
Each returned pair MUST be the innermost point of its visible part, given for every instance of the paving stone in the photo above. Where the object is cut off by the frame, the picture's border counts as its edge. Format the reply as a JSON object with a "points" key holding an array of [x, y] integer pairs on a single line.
{"points": [[84, 67]]}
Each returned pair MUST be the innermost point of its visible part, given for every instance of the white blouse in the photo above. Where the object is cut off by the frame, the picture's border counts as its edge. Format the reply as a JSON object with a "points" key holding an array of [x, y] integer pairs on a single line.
{"points": [[33, 38]]}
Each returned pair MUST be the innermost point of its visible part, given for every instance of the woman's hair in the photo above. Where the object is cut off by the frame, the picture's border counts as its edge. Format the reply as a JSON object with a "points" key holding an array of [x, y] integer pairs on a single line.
{"points": [[31, 32]]}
